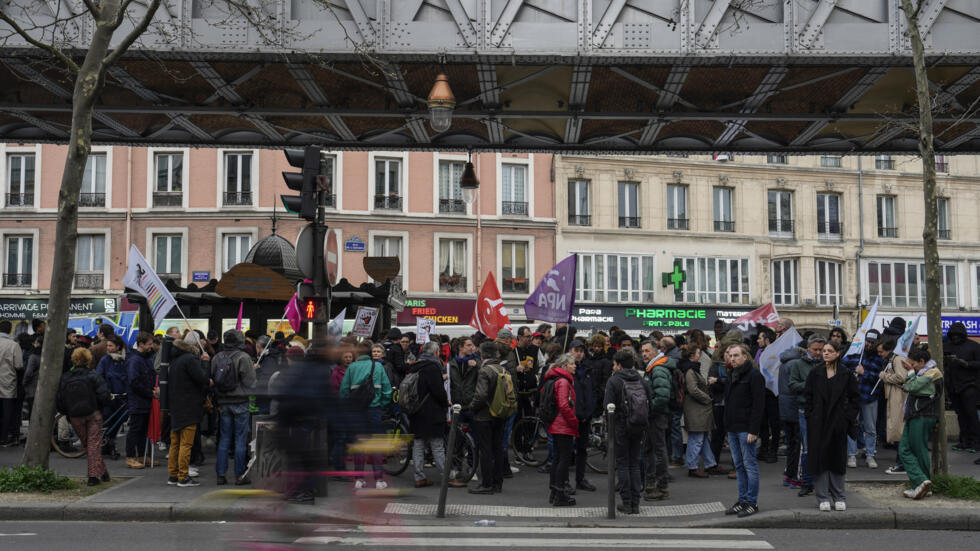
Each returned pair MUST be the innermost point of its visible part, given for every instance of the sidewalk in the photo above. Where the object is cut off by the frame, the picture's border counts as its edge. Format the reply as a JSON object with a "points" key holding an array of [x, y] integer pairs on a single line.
{"points": [[145, 496]]}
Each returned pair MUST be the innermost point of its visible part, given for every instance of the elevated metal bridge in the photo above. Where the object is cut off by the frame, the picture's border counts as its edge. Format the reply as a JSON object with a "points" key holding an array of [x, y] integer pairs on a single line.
{"points": [[545, 75]]}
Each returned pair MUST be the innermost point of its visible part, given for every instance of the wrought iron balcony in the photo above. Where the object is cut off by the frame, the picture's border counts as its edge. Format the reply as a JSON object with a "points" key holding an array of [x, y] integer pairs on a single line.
{"points": [[725, 225], [452, 206], [887, 232], [781, 226], [168, 198], [942, 167], [579, 220], [677, 224], [516, 208], [89, 280], [20, 199], [885, 164], [17, 280], [829, 230], [388, 202], [238, 198], [831, 162], [629, 221], [944, 234], [91, 199]]}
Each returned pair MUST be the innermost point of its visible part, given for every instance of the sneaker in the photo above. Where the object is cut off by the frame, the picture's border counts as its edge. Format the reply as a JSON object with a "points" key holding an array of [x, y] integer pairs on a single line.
{"points": [[514, 469], [545, 469], [825, 506], [302, 497], [909, 493], [872, 464], [380, 485], [192, 472], [105, 477], [221, 481], [188, 483], [359, 484], [93, 481], [425, 482], [735, 509], [922, 489], [805, 491], [243, 481], [161, 446], [585, 485], [852, 461], [840, 506], [133, 463], [748, 510], [895, 469], [172, 481]]}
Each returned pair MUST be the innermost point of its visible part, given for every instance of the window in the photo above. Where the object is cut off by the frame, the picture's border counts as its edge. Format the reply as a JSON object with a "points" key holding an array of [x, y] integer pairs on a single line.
{"points": [[724, 221], [236, 247], [90, 262], [390, 246], [830, 283], [944, 230], [828, 216], [578, 203], [169, 175], [452, 265], [450, 193], [238, 179], [677, 207], [20, 180], [513, 266], [785, 285], [716, 280], [168, 256], [886, 216], [93, 182], [629, 216], [615, 278], [19, 269], [514, 189], [776, 159], [901, 284], [884, 162], [328, 168], [387, 184], [781, 213], [942, 164], [830, 161]]}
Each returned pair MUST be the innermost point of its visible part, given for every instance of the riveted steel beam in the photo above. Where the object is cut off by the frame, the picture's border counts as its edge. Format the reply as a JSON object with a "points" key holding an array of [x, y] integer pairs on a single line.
{"points": [[852, 95], [316, 94], [765, 89]]}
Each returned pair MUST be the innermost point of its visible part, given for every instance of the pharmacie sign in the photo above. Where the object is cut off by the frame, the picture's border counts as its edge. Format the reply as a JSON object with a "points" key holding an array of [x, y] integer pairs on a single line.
{"points": [[642, 317], [445, 311], [30, 308]]}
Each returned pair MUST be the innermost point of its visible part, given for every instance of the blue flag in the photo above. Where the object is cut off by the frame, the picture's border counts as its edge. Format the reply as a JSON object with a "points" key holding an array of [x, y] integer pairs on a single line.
{"points": [[553, 298]]}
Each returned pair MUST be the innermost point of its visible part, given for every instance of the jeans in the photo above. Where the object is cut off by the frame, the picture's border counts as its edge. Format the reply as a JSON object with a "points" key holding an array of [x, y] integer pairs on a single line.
{"points": [[676, 437], [805, 477], [914, 448], [179, 460], [234, 424], [699, 445], [629, 451], [868, 422], [508, 427], [655, 452], [746, 467], [371, 424], [563, 458], [438, 446], [493, 461], [136, 437]]}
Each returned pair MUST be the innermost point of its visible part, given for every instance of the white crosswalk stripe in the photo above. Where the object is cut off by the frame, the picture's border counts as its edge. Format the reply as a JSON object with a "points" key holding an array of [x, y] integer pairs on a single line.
{"points": [[533, 537]]}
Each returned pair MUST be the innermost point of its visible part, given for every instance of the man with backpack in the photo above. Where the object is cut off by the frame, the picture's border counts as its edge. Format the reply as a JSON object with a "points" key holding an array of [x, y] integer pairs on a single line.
{"points": [[367, 391], [233, 374], [422, 396], [632, 398], [494, 401], [657, 377], [669, 349]]}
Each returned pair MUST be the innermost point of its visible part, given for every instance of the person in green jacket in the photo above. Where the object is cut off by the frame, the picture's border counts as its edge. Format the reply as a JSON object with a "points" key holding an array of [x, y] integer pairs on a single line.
{"points": [[656, 376], [922, 410], [799, 370], [357, 374]]}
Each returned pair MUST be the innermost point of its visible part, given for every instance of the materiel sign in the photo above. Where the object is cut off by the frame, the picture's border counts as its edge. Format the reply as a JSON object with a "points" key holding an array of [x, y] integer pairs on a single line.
{"points": [[19, 308], [381, 268]]}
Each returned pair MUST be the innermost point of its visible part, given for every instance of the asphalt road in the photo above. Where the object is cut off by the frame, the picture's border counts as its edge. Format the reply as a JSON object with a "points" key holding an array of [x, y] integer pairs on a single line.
{"points": [[110, 536]]}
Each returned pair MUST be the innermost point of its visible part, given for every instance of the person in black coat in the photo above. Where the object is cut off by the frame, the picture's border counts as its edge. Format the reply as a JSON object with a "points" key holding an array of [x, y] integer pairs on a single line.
{"points": [[745, 397], [832, 403], [187, 382], [428, 424], [962, 364]]}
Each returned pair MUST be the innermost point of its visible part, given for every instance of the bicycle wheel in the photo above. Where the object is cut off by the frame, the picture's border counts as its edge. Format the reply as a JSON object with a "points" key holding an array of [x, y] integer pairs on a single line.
{"points": [[597, 451], [465, 458], [70, 449], [529, 440], [396, 460]]}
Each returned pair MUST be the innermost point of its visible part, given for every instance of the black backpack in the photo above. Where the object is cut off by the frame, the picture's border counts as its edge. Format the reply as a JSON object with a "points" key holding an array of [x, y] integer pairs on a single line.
{"points": [[362, 394], [547, 405], [635, 406], [225, 373], [76, 395]]}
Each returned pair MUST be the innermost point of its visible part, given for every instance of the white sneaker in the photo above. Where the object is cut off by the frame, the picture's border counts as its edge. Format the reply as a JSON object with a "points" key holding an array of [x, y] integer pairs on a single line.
{"points": [[922, 490], [839, 506], [359, 484], [872, 464], [825, 506], [192, 472], [514, 469], [852, 461], [909, 493], [380, 485], [161, 446]]}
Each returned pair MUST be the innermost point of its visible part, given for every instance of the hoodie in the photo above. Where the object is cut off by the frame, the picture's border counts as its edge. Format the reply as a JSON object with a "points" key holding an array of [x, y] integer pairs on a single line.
{"points": [[963, 369]]}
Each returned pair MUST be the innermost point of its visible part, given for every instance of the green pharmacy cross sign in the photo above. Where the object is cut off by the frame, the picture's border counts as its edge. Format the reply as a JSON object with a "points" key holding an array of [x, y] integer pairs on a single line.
{"points": [[677, 278]]}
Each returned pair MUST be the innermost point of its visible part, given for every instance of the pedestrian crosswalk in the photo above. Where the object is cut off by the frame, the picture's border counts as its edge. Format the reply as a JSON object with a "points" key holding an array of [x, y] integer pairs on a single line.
{"points": [[531, 537]]}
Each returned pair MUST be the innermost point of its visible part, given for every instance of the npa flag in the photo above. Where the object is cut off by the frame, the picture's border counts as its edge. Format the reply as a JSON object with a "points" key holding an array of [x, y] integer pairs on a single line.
{"points": [[765, 315], [292, 314], [489, 314], [554, 297], [769, 359], [857, 345], [904, 343], [141, 278]]}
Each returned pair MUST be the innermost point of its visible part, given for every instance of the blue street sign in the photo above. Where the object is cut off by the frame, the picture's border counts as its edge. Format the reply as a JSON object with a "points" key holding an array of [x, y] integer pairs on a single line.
{"points": [[355, 245], [204, 276]]}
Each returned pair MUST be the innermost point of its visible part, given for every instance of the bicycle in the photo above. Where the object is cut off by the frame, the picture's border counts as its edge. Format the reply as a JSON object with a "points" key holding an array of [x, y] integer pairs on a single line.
{"points": [[597, 450], [465, 458], [529, 440], [74, 448]]}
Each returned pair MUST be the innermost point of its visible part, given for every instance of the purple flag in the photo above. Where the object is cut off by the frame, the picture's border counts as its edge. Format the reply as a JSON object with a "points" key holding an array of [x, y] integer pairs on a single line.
{"points": [[554, 297]]}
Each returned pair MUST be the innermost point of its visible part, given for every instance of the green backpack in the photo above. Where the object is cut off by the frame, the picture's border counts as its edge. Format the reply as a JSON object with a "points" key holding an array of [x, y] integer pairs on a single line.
{"points": [[504, 402]]}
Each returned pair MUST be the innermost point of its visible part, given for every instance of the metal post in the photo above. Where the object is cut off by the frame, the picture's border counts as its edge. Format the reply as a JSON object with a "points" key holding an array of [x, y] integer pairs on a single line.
{"points": [[611, 460], [448, 464]]}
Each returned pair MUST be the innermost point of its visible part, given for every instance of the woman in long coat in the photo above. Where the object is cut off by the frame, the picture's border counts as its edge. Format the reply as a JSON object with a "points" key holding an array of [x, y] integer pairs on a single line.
{"points": [[832, 403]]}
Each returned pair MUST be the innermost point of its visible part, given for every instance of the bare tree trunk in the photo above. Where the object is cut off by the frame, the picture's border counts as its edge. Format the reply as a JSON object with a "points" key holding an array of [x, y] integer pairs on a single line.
{"points": [[929, 244]]}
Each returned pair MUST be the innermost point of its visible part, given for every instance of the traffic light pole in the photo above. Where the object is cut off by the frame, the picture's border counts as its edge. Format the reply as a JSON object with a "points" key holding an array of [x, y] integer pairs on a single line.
{"points": [[320, 284]]}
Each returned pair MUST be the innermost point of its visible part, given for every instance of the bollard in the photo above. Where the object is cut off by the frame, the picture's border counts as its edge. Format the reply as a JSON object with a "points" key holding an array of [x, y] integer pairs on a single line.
{"points": [[448, 464], [611, 459]]}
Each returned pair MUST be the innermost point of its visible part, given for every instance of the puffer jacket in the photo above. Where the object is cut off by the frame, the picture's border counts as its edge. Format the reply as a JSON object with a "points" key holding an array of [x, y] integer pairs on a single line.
{"points": [[963, 370], [565, 422], [657, 377], [112, 368], [141, 379]]}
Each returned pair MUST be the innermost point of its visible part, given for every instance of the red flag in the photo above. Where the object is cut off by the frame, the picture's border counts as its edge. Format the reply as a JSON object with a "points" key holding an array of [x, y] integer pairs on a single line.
{"points": [[766, 315], [292, 314], [489, 314]]}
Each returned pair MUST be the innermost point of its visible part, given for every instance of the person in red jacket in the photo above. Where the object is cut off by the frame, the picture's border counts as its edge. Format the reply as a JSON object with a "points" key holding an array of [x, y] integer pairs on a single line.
{"points": [[564, 429]]}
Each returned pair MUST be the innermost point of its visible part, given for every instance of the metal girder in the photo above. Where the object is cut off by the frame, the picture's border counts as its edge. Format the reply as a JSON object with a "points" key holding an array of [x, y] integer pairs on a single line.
{"points": [[816, 22], [852, 95], [228, 92], [609, 18], [653, 87], [40, 123], [710, 23], [503, 23], [928, 12], [313, 90], [765, 89], [947, 96], [405, 100], [364, 26], [490, 97], [968, 135], [129, 82], [885, 135], [463, 23], [577, 95], [669, 96]]}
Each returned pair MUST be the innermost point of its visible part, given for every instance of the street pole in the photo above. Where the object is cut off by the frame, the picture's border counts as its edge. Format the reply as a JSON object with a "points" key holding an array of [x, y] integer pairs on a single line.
{"points": [[321, 286], [610, 461], [448, 462]]}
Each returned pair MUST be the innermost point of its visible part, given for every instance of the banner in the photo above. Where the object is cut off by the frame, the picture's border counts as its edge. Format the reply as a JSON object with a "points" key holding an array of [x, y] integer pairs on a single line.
{"points": [[904, 343], [293, 315], [141, 278], [335, 328], [769, 360], [489, 314], [364, 321], [553, 298], [423, 328], [857, 345], [764, 315]]}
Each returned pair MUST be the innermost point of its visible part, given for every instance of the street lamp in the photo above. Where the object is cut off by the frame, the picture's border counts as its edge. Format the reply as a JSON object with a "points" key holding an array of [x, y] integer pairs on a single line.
{"points": [[469, 184], [441, 104]]}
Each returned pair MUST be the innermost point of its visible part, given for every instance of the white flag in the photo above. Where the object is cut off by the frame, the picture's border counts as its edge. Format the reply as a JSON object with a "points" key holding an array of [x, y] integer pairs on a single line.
{"points": [[335, 328], [857, 345], [769, 360], [904, 343], [141, 278]]}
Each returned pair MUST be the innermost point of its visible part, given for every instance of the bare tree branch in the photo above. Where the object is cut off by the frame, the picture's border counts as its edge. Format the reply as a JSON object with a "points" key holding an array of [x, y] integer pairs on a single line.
{"points": [[93, 9], [137, 31], [69, 62]]}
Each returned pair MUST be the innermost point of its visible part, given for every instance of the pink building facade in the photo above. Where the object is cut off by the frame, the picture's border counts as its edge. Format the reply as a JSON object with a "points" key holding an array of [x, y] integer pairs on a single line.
{"points": [[194, 213]]}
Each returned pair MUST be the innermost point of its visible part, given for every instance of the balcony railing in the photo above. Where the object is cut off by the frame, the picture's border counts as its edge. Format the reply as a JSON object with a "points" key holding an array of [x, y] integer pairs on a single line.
{"points": [[91, 199], [831, 162], [885, 164], [776, 159], [677, 224], [515, 285], [579, 220], [629, 221], [20, 199], [16, 280], [453, 206], [944, 234], [388, 202], [781, 226], [89, 281], [887, 232], [168, 198], [942, 167], [516, 208], [452, 283], [330, 200], [238, 198], [725, 225], [829, 230]]}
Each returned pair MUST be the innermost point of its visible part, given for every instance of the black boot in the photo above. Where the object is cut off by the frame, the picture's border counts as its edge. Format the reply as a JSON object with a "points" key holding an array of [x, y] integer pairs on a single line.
{"points": [[635, 509], [553, 497], [563, 500]]}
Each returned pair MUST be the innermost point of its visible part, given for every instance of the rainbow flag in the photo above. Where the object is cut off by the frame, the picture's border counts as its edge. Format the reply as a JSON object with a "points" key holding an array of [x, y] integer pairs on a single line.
{"points": [[141, 278]]}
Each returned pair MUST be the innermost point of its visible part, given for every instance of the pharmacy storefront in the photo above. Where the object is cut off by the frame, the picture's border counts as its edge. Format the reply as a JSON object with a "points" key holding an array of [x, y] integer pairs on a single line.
{"points": [[644, 318]]}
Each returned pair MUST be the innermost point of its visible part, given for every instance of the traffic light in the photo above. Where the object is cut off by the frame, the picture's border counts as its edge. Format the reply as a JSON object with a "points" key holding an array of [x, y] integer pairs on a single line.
{"points": [[309, 309], [305, 182]]}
